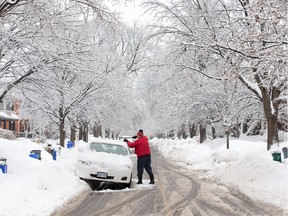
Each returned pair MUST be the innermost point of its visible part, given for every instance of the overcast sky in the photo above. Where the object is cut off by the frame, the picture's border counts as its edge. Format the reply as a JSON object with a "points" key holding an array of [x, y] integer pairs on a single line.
{"points": [[132, 11]]}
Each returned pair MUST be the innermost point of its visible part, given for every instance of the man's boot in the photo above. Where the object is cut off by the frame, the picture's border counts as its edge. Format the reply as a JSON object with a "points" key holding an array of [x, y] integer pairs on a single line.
{"points": [[139, 179], [151, 178]]}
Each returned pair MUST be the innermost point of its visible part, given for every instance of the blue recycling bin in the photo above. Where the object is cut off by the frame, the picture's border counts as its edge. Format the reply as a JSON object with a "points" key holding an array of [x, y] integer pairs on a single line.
{"points": [[35, 154], [3, 165], [54, 154], [70, 144]]}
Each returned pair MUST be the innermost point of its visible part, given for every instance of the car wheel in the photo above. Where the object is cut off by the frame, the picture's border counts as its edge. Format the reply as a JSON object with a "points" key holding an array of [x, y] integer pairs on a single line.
{"points": [[93, 184], [128, 184]]}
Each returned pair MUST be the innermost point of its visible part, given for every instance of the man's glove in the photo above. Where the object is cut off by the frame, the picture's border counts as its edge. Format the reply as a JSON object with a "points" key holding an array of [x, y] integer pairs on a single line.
{"points": [[125, 140], [134, 137]]}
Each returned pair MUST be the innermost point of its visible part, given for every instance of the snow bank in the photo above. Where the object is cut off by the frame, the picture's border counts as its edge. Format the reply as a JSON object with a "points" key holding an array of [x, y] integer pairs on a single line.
{"points": [[246, 165], [32, 186]]}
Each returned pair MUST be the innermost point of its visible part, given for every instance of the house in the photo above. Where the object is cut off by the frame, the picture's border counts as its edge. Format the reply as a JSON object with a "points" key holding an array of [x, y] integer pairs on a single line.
{"points": [[9, 118]]}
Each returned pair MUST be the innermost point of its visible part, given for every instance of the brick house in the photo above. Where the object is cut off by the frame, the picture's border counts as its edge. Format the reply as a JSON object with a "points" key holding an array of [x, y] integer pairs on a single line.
{"points": [[9, 118]]}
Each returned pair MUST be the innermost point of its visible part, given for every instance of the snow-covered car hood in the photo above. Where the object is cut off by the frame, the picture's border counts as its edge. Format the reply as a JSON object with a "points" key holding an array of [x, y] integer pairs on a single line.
{"points": [[104, 159]]}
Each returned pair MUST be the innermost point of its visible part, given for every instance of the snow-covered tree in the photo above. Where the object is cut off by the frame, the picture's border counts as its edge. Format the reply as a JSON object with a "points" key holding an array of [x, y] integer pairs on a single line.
{"points": [[22, 52], [64, 59], [238, 39]]}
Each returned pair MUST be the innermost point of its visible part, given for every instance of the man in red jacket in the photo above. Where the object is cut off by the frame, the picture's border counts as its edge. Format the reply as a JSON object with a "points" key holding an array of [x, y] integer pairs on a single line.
{"points": [[142, 150]]}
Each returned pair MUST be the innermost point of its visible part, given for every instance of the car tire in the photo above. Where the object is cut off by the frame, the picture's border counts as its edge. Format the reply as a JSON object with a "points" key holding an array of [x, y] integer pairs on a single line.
{"points": [[94, 185], [128, 184]]}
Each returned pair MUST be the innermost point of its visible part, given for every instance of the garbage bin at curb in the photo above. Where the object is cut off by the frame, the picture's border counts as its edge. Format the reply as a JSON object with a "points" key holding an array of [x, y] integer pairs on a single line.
{"points": [[276, 156], [3, 165], [285, 152], [54, 154], [70, 144], [35, 154]]}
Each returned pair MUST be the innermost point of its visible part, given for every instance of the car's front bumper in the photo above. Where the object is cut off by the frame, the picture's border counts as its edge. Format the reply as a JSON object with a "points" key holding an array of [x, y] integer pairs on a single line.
{"points": [[121, 175]]}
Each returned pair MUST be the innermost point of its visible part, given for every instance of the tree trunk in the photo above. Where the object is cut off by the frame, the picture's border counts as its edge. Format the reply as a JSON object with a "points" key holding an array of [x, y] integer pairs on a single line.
{"points": [[81, 132], [272, 121], [270, 106], [183, 131], [97, 131], [85, 132], [202, 133], [179, 134], [244, 126], [73, 133], [94, 131], [213, 132], [192, 130], [171, 134], [107, 132], [184, 134], [238, 129], [62, 133]]}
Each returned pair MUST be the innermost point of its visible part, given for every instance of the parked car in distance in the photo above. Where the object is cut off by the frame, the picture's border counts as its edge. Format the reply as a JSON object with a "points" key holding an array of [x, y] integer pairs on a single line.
{"points": [[105, 160]]}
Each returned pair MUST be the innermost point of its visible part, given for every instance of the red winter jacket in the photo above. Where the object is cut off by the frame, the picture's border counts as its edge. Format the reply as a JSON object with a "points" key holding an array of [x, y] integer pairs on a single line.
{"points": [[141, 146]]}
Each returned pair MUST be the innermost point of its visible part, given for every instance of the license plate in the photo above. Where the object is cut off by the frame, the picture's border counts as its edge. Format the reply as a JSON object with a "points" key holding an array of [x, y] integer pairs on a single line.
{"points": [[101, 175]]}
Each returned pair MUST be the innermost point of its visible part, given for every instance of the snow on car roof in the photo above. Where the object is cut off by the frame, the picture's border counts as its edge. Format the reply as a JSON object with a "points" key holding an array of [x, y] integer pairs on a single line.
{"points": [[108, 141]]}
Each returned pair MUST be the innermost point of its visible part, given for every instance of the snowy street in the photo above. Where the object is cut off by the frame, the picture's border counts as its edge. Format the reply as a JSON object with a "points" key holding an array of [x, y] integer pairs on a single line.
{"points": [[191, 178], [177, 192], [194, 92]]}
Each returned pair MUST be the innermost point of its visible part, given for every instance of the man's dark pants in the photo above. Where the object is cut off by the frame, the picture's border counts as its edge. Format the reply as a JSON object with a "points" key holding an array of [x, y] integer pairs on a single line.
{"points": [[144, 162]]}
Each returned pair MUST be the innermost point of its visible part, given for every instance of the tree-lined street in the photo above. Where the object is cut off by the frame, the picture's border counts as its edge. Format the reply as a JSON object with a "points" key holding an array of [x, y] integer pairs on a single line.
{"points": [[194, 65], [176, 192], [196, 70]]}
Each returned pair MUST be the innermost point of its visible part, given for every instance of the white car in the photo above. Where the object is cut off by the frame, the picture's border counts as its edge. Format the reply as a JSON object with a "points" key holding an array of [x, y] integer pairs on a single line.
{"points": [[103, 160]]}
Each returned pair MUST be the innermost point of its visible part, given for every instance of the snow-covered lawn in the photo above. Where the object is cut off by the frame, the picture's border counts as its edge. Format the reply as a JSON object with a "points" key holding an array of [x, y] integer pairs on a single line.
{"points": [[34, 187], [38, 187]]}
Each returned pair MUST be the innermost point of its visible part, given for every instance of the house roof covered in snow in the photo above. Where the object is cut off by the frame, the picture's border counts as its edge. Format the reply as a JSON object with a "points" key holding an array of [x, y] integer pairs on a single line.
{"points": [[11, 116]]}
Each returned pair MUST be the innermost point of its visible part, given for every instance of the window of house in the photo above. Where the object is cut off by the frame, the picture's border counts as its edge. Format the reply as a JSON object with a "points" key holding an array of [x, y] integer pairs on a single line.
{"points": [[1, 105], [9, 105]]}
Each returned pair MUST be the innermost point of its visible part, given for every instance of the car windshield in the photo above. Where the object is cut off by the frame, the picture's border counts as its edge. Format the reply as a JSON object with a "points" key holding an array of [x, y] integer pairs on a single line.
{"points": [[109, 148]]}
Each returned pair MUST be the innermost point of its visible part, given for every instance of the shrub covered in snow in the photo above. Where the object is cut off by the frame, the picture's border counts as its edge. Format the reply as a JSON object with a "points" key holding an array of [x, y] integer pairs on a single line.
{"points": [[7, 134]]}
